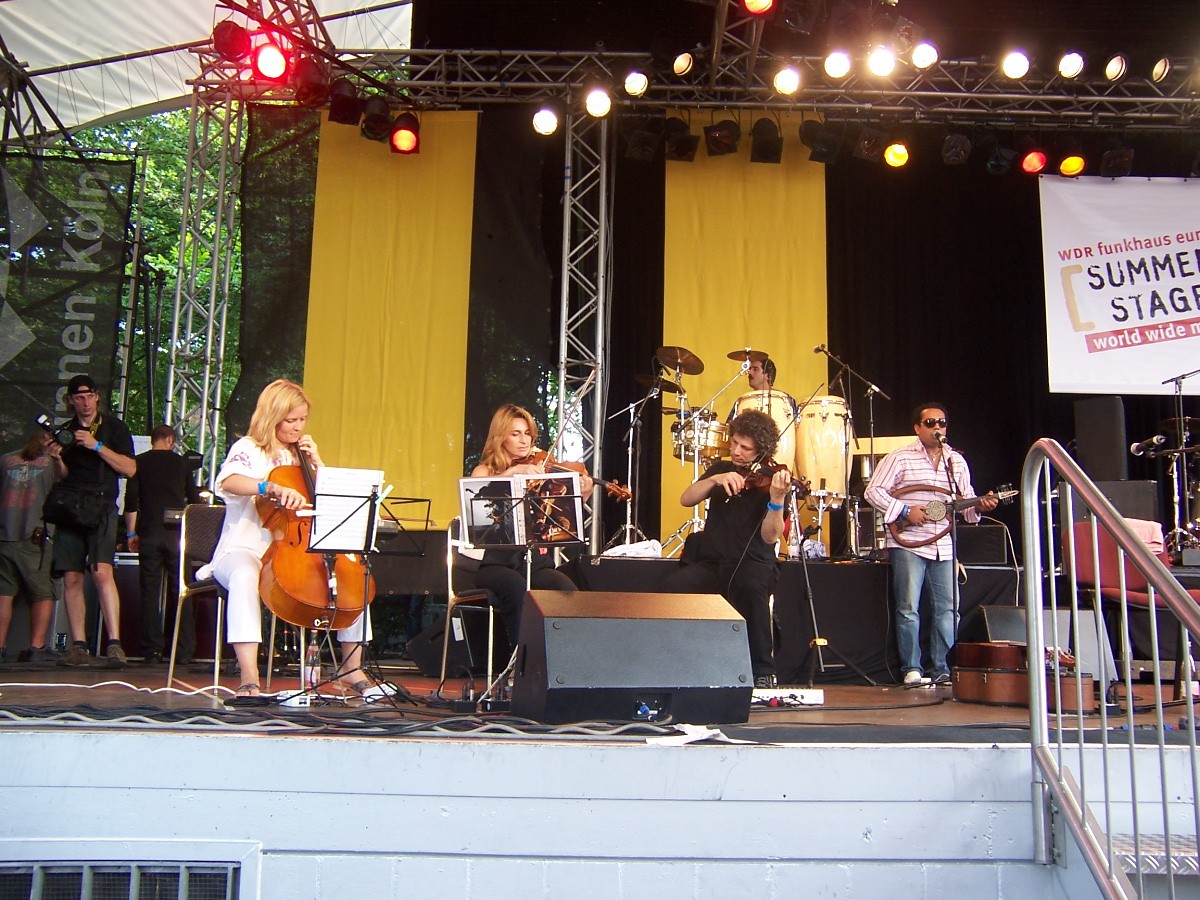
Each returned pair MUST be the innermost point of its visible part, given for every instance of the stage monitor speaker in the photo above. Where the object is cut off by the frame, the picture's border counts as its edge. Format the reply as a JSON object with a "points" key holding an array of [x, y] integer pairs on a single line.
{"points": [[1100, 438], [1132, 499], [468, 644], [982, 545], [628, 657]]}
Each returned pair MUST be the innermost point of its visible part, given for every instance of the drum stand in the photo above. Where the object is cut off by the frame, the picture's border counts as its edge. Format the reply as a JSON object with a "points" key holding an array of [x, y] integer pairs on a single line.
{"points": [[696, 523]]}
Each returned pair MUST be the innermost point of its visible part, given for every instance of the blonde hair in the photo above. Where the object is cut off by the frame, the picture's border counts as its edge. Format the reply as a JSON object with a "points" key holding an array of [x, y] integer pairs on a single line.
{"points": [[277, 399], [494, 456]]}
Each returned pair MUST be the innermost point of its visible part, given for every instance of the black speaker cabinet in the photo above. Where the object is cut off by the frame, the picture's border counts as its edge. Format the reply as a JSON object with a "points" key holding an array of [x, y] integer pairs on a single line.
{"points": [[468, 644], [982, 545], [1100, 438], [1133, 499], [625, 656]]}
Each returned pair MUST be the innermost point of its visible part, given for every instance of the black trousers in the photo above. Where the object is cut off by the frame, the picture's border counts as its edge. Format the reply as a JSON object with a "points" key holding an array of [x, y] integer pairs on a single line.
{"points": [[158, 555], [509, 587], [747, 587]]}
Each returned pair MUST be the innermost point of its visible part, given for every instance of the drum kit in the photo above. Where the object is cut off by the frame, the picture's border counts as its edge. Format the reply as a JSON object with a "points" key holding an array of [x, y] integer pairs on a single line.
{"points": [[815, 436]]}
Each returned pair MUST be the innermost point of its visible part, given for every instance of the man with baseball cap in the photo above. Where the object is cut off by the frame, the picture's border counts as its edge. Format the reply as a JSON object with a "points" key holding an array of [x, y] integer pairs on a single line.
{"points": [[101, 452]]}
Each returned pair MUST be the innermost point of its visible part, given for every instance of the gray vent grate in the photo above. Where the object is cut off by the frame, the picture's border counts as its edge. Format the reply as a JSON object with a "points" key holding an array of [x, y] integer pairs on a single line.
{"points": [[118, 881]]}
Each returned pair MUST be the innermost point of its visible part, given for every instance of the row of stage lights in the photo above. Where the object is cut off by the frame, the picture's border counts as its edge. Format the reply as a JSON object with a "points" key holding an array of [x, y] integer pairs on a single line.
{"points": [[827, 143], [270, 59]]}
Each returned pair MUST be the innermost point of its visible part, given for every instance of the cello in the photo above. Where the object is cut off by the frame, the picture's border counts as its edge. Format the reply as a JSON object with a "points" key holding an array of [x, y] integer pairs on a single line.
{"points": [[296, 585]]}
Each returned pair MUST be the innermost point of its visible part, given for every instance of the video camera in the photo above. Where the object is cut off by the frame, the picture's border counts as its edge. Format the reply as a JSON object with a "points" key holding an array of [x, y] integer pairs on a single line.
{"points": [[62, 435]]}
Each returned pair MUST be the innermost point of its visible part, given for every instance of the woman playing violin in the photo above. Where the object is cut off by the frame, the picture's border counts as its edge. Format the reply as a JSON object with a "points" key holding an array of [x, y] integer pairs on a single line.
{"points": [[508, 449], [276, 427], [737, 546]]}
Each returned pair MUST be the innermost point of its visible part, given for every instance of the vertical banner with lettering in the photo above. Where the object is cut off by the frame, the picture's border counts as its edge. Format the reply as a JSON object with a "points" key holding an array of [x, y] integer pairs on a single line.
{"points": [[1121, 261], [62, 263]]}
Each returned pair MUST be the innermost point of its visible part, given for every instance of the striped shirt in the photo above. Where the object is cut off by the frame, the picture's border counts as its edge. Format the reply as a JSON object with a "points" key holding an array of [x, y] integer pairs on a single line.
{"points": [[909, 466]]}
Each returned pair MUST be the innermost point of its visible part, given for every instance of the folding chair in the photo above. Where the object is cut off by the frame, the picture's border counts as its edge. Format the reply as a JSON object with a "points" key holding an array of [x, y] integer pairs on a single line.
{"points": [[199, 531], [458, 564]]}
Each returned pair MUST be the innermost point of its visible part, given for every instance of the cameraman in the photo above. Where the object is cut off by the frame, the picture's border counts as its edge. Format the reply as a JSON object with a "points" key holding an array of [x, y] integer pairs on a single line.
{"points": [[102, 451]]}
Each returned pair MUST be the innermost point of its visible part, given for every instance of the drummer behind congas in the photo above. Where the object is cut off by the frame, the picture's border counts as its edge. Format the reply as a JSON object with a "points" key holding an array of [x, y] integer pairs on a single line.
{"points": [[761, 377]]}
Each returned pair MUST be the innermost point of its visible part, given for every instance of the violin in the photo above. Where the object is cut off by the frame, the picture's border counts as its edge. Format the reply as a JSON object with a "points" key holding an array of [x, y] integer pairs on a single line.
{"points": [[294, 583], [760, 475], [543, 458]]}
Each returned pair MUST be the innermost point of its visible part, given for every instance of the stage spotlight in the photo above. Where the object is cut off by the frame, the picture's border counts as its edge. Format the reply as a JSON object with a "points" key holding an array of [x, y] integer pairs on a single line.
{"points": [[758, 7], [405, 135], [1071, 161], [642, 135], [311, 83], [956, 149], [1000, 160], [597, 101], [1117, 67], [722, 138], [376, 122], [837, 64], [787, 81], [1116, 158], [925, 55], [1160, 70], [895, 154], [870, 143], [881, 61], [637, 83], [1070, 64], [766, 145], [1033, 159], [345, 107], [679, 143], [270, 62], [822, 143], [545, 120], [1015, 65], [231, 41], [684, 63]]}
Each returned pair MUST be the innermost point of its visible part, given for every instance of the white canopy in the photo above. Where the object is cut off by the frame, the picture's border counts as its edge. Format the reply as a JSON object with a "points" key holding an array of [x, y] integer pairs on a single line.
{"points": [[105, 60]]}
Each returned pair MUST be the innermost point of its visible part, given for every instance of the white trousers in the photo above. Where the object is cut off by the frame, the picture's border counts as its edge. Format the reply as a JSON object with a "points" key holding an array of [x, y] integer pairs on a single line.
{"points": [[237, 572]]}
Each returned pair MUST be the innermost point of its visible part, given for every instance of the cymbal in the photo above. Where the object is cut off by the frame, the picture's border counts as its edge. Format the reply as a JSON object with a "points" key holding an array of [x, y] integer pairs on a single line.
{"points": [[1190, 423], [667, 387], [747, 353], [680, 358]]}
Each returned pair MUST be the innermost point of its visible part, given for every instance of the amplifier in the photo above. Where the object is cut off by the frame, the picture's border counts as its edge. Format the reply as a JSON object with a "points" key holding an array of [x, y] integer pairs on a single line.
{"points": [[983, 545]]}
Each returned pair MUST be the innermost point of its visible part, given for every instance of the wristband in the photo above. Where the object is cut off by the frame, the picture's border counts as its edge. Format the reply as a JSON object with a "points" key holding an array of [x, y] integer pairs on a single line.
{"points": [[774, 507], [130, 534], [262, 488], [904, 512], [99, 444]]}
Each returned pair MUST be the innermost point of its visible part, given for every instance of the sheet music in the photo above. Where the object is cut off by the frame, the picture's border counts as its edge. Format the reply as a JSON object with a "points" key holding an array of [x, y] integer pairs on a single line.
{"points": [[343, 509]]}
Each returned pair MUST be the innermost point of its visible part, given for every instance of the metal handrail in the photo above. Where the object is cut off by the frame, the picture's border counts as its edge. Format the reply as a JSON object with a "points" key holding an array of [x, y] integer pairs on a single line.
{"points": [[1056, 788]]}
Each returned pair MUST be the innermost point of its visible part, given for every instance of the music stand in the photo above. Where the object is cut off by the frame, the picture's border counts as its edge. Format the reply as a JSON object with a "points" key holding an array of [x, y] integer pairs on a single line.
{"points": [[520, 513], [345, 520]]}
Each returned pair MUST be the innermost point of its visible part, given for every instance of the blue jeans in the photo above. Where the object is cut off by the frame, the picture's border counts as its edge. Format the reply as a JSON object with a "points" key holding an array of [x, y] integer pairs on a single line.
{"points": [[910, 573]]}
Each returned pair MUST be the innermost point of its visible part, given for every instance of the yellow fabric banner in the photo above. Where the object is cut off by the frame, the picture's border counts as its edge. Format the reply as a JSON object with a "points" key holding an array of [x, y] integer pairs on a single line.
{"points": [[744, 267], [385, 359]]}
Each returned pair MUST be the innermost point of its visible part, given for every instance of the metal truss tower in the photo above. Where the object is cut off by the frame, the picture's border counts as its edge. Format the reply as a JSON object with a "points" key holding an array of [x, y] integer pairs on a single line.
{"points": [[585, 294]]}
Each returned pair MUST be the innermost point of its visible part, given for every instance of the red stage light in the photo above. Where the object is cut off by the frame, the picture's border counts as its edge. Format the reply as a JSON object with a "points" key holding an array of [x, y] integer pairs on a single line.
{"points": [[406, 134], [1033, 162], [270, 62], [758, 7]]}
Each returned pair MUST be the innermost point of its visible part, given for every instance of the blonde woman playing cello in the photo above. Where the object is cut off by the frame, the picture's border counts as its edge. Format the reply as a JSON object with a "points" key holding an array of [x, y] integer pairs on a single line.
{"points": [[276, 427]]}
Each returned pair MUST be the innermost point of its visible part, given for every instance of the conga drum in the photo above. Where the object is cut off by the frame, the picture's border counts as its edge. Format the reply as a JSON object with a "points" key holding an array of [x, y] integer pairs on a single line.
{"points": [[780, 407], [824, 433]]}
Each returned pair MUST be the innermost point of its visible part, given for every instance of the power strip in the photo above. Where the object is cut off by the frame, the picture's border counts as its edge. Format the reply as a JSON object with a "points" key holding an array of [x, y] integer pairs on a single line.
{"points": [[294, 699], [794, 696]]}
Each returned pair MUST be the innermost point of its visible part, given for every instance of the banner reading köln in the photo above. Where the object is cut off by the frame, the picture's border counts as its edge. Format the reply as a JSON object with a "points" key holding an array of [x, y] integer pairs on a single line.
{"points": [[62, 263]]}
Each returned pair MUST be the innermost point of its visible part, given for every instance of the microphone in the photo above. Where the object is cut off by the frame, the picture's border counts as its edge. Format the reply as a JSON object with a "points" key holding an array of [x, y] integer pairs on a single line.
{"points": [[1148, 444], [820, 348], [940, 438]]}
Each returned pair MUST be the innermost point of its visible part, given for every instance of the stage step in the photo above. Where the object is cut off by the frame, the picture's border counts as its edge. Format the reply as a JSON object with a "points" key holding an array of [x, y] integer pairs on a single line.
{"points": [[1183, 860]]}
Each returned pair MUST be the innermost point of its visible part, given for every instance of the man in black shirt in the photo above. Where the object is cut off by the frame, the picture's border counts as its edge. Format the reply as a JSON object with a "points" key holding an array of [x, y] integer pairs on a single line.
{"points": [[163, 481], [737, 557], [101, 452]]}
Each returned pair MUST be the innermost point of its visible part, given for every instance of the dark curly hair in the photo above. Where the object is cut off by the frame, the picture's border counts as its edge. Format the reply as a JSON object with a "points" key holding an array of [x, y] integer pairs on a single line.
{"points": [[760, 428], [918, 411]]}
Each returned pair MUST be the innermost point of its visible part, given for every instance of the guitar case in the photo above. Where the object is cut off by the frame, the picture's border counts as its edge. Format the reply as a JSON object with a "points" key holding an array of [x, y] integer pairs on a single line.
{"points": [[997, 673]]}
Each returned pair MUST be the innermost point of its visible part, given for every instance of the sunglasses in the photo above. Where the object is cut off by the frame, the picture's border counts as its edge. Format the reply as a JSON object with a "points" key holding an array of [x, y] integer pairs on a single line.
{"points": [[934, 423]]}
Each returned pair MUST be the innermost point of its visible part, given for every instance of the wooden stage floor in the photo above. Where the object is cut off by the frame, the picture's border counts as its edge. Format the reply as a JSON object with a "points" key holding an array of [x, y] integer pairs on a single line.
{"points": [[137, 696]]}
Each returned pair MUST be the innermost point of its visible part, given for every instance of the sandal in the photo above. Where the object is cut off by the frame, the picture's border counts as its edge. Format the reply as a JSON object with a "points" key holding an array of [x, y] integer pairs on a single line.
{"points": [[249, 689], [369, 691], [248, 694]]}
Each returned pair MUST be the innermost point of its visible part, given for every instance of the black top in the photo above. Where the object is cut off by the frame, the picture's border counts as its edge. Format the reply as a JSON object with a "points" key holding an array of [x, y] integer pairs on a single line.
{"points": [[733, 524], [85, 468], [163, 481]]}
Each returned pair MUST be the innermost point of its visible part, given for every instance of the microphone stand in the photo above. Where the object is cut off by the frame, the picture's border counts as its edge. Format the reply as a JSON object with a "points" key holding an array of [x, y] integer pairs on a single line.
{"points": [[1180, 537], [633, 456], [868, 466], [954, 498]]}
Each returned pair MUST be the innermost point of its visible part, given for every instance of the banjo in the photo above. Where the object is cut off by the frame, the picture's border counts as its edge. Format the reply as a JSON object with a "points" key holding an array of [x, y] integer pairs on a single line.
{"points": [[938, 510]]}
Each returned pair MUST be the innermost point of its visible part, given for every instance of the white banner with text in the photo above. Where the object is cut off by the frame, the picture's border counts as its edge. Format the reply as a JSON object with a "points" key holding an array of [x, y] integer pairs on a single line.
{"points": [[1121, 260]]}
